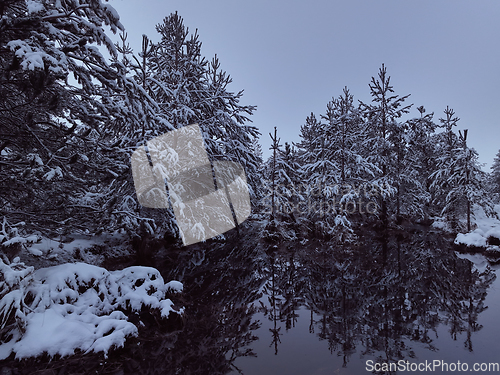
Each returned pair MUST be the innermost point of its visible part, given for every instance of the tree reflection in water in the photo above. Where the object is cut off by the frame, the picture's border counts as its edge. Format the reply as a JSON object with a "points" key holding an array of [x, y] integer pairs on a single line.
{"points": [[379, 296], [374, 299]]}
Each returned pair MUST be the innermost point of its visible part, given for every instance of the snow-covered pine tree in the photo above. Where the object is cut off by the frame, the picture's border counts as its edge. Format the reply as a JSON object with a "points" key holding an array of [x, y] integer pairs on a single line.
{"points": [[383, 135], [61, 162], [467, 183], [344, 130], [421, 156], [307, 156], [343, 134], [321, 177], [188, 90], [176, 73], [226, 124], [257, 151], [495, 175], [305, 148], [446, 142], [281, 197]]}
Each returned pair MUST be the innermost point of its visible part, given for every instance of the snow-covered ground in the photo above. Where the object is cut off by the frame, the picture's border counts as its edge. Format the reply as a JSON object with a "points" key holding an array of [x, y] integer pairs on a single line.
{"points": [[59, 309], [486, 227]]}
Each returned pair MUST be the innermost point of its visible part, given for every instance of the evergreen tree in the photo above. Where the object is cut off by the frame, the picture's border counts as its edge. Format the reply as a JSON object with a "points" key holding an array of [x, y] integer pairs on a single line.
{"points": [[176, 73], [343, 134], [307, 156], [495, 175], [257, 151], [446, 143], [281, 169], [282, 198], [467, 183], [63, 158], [384, 136], [226, 122], [308, 135], [191, 90], [320, 175], [187, 90], [421, 155]]}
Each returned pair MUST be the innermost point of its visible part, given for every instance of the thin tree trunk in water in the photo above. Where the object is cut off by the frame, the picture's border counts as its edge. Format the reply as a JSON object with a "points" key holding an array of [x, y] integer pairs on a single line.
{"points": [[274, 173], [468, 215]]}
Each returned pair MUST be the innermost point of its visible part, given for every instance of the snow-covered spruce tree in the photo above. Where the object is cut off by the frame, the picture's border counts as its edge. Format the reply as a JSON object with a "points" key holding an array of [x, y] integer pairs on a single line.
{"points": [[190, 90], [176, 76], [281, 196], [495, 175], [383, 137], [288, 177], [320, 175], [259, 190], [279, 184], [343, 133], [446, 142], [63, 109], [467, 183], [226, 125], [318, 178], [305, 148], [257, 151], [421, 155]]}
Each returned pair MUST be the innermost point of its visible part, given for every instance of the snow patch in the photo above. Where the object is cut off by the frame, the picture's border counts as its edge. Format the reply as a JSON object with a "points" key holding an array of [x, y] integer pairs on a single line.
{"points": [[473, 239], [36, 158], [20, 240], [59, 309], [175, 286], [486, 227], [54, 172], [34, 7]]}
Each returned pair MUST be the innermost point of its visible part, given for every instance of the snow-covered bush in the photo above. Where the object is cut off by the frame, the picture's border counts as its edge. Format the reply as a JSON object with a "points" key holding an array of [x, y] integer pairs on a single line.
{"points": [[11, 238], [14, 281], [487, 230], [60, 309]]}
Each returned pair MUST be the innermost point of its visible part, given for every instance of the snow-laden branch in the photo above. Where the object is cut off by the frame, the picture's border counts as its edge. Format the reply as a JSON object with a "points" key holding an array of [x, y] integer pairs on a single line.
{"points": [[65, 14]]}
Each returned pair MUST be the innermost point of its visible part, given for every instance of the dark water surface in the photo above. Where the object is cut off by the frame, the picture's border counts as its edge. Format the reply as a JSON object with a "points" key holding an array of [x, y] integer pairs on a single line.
{"points": [[306, 308], [323, 341], [252, 307]]}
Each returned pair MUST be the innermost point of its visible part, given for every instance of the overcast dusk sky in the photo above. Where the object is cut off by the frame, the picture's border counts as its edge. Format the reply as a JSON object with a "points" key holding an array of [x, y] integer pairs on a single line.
{"points": [[291, 57]]}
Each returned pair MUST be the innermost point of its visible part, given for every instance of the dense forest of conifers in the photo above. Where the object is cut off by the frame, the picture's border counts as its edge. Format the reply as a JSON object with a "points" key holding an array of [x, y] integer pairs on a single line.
{"points": [[70, 118], [360, 164]]}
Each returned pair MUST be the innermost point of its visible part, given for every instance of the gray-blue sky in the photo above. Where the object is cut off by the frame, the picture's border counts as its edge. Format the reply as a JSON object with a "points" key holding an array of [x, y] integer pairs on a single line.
{"points": [[291, 57]]}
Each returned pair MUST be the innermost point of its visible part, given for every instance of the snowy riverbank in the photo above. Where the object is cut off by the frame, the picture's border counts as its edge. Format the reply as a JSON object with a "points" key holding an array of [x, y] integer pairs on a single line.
{"points": [[487, 232], [75, 307]]}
